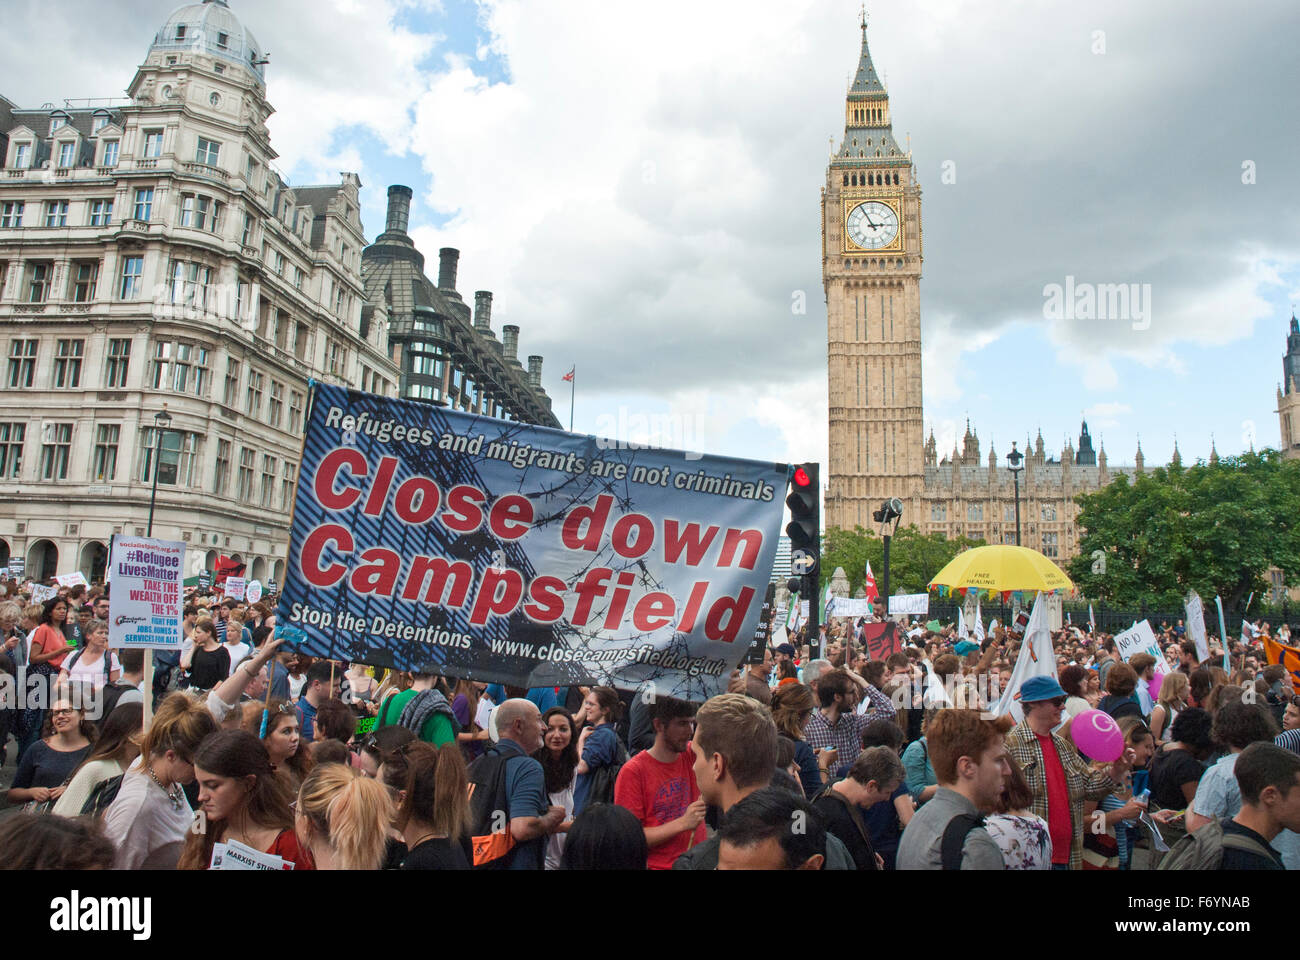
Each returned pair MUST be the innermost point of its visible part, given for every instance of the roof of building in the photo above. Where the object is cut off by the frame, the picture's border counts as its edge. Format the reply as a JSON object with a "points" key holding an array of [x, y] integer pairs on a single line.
{"points": [[212, 29]]}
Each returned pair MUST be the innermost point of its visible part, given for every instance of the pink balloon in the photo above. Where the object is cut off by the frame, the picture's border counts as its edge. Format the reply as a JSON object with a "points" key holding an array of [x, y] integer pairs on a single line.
{"points": [[1154, 686], [1098, 735]]}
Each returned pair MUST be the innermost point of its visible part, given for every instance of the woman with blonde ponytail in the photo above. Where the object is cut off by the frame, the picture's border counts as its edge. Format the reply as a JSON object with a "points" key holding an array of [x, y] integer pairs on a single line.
{"points": [[343, 818], [434, 814]]}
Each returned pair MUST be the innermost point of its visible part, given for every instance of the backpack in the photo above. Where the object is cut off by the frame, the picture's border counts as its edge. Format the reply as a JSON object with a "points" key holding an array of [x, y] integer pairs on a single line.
{"points": [[1203, 850], [954, 838], [492, 844], [601, 781], [107, 660]]}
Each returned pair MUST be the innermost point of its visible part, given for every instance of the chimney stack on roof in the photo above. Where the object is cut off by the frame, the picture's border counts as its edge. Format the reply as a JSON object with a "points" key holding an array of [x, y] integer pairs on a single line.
{"points": [[483, 312], [399, 209], [448, 257], [535, 371], [510, 342]]}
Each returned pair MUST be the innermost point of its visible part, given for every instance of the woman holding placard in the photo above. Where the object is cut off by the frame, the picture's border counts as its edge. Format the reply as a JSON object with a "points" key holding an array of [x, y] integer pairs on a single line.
{"points": [[243, 801]]}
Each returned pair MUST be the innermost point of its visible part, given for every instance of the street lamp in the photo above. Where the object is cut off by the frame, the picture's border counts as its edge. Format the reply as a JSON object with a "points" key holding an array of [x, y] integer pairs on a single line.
{"points": [[161, 420], [891, 511], [1015, 461]]}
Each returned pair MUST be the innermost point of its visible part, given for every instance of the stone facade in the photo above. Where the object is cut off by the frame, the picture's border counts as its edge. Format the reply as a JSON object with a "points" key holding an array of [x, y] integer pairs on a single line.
{"points": [[1288, 394], [151, 258]]}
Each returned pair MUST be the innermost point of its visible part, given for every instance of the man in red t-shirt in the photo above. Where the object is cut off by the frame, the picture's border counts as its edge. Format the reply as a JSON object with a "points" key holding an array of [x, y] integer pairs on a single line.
{"points": [[658, 785]]}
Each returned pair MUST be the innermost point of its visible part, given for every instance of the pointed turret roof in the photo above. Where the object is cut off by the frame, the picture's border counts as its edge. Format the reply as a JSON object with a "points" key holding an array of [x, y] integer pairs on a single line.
{"points": [[1214, 453], [865, 82]]}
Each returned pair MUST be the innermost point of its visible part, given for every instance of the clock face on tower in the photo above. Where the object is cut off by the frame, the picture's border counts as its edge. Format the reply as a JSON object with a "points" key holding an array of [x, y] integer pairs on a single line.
{"points": [[872, 225]]}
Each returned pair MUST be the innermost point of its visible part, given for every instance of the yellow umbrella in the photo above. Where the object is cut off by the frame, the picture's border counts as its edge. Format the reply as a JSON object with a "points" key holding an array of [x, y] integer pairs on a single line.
{"points": [[1001, 569]]}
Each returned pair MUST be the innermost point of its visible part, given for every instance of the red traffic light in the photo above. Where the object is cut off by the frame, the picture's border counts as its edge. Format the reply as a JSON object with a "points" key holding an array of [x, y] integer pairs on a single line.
{"points": [[801, 478]]}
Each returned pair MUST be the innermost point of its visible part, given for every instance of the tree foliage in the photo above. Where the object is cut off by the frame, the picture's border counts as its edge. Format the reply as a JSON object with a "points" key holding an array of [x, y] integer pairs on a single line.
{"points": [[914, 557], [1216, 529]]}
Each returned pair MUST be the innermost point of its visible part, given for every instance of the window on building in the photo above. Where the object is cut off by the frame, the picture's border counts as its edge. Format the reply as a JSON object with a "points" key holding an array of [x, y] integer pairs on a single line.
{"points": [[253, 399], [111, 148], [177, 460], [104, 466], [180, 31], [189, 283], [223, 41], [11, 213], [974, 511], [11, 450], [101, 213], [219, 68], [287, 484], [22, 155], [207, 152], [118, 361], [38, 282], [182, 368], [67, 363], [247, 458], [268, 479], [56, 213], [1051, 545], [22, 362], [336, 358], [222, 475], [153, 140], [1009, 514], [57, 122], [297, 278], [340, 298], [300, 337], [295, 411], [230, 395], [67, 153], [275, 405], [938, 512], [99, 123], [144, 204], [132, 278], [56, 444], [1049, 513], [85, 280], [279, 263]]}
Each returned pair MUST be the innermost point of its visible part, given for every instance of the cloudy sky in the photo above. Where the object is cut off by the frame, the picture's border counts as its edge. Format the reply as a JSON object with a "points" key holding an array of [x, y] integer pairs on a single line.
{"points": [[639, 187]]}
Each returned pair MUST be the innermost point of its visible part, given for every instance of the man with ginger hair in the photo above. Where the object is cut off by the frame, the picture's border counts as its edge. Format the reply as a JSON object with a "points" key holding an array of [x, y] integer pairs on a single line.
{"points": [[969, 756]]}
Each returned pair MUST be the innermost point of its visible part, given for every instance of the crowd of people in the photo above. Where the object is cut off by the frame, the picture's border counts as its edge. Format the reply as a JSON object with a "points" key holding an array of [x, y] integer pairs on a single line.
{"points": [[836, 762]]}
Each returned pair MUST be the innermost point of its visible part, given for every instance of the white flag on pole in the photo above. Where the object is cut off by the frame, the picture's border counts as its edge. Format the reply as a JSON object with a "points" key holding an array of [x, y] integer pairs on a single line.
{"points": [[978, 632], [1196, 625], [1092, 621], [961, 624], [1037, 659]]}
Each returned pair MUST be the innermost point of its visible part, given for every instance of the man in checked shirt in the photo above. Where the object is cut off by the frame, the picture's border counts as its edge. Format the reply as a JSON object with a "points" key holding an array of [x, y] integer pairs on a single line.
{"points": [[836, 725]]}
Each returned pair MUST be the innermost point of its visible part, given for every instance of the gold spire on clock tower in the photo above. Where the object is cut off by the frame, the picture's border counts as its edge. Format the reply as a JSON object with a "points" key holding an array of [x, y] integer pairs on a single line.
{"points": [[871, 271]]}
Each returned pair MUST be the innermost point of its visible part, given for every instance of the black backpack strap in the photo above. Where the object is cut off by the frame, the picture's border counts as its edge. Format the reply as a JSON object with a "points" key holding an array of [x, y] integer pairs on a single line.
{"points": [[954, 838]]}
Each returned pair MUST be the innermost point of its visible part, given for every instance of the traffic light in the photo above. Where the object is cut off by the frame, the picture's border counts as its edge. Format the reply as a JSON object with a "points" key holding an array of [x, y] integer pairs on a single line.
{"points": [[804, 531]]}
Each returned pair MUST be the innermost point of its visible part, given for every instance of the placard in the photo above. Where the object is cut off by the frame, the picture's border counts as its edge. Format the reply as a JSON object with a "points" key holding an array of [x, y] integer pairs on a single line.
{"points": [[205, 580], [429, 539], [17, 567], [145, 607], [909, 604], [75, 579], [234, 588], [252, 591], [763, 632], [849, 607], [41, 593], [1139, 638]]}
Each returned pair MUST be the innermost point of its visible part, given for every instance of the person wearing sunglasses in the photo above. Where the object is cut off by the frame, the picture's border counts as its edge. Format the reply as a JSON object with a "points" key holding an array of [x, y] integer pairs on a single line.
{"points": [[1060, 779]]}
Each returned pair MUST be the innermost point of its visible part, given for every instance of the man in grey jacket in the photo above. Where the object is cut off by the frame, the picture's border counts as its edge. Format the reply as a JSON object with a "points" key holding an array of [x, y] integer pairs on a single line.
{"points": [[969, 756]]}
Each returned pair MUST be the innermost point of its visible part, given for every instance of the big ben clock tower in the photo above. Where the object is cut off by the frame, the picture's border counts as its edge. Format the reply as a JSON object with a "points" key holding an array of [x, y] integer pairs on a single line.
{"points": [[871, 270]]}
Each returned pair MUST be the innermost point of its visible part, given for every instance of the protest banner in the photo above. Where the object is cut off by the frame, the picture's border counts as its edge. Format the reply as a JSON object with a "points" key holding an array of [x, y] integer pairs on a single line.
{"points": [[882, 639], [762, 633], [432, 540], [1285, 654], [850, 607], [909, 604], [145, 607], [1139, 638], [271, 587], [1036, 659], [17, 567], [74, 579], [253, 591], [205, 580], [234, 588], [1196, 625], [41, 593], [226, 567]]}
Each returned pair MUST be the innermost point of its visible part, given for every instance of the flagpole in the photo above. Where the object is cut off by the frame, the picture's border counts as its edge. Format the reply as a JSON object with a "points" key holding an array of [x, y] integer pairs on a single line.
{"points": [[573, 386]]}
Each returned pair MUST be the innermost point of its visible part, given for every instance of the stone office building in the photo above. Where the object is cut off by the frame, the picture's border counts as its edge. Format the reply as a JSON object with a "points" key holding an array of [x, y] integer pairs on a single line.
{"points": [[151, 260]]}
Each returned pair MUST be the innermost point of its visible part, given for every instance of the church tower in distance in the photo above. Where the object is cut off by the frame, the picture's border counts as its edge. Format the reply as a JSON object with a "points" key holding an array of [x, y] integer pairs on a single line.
{"points": [[871, 270]]}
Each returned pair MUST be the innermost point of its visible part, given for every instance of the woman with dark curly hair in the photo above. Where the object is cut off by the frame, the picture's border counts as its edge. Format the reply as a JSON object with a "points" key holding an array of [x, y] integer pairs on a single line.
{"points": [[1236, 726], [559, 759]]}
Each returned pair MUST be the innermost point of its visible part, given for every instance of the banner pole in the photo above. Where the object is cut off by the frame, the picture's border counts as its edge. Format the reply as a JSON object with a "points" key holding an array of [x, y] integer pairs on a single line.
{"points": [[148, 688]]}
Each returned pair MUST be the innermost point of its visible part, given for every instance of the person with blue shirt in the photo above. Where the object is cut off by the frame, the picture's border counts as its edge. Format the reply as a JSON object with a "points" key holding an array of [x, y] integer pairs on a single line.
{"points": [[598, 745], [532, 819], [542, 697]]}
